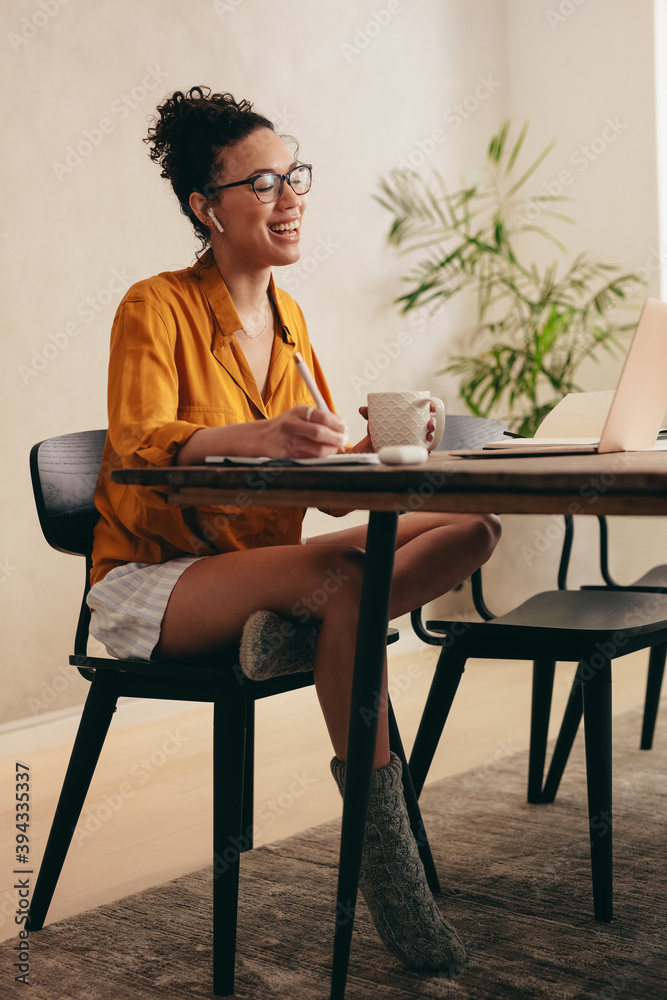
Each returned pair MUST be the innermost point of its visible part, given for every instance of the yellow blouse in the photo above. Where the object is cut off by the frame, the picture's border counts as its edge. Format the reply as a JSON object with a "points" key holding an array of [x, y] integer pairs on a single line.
{"points": [[176, 367]]}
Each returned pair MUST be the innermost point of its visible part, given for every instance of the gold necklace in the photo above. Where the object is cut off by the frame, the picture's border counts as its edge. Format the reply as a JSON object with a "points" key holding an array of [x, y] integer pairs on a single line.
{"points": [[253, 336]]}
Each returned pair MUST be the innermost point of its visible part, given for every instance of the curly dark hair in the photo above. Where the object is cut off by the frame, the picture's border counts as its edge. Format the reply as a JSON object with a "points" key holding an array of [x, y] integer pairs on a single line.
{"points": [[188, 135]]}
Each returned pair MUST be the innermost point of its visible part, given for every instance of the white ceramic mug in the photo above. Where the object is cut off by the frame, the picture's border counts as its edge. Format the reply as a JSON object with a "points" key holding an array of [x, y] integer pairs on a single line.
{"points": [[397, 418]]}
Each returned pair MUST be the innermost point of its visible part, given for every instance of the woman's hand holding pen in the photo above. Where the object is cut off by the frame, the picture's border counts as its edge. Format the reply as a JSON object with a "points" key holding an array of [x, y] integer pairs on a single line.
{"points": [[303, 432]]}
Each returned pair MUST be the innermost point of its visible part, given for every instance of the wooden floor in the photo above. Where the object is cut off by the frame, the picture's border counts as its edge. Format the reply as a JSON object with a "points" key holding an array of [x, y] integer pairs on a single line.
{"points": [[148, 813]]}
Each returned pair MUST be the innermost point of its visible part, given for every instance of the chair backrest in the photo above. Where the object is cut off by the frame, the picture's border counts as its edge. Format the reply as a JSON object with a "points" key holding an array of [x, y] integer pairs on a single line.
{"points": [[64, 473], [467, 431]]}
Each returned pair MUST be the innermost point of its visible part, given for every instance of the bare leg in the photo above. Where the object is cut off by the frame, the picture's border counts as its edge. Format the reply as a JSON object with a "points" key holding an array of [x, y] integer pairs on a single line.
{"points": [[214, 597], [434, 553], [208, 609]]}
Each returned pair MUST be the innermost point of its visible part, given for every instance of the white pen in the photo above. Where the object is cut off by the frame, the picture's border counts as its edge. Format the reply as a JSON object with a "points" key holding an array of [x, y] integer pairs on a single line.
{"points": [[311, 385]]}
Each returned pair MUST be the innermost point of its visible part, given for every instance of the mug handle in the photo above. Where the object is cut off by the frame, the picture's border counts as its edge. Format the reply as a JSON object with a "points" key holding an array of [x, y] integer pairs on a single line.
{"points": [[439, 422]]}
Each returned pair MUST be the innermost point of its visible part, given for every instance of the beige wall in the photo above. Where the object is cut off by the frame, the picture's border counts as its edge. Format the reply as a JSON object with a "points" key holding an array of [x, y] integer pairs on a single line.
{"points": [[573, 72], [363, 85]]}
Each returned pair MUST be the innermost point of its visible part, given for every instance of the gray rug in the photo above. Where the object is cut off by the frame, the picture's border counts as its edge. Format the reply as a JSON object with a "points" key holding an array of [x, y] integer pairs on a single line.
{"points": [[516, 881]]}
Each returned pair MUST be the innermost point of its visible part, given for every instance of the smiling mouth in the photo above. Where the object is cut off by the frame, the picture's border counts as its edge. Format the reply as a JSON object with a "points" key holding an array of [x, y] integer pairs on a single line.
{"points": [[288, 231]]}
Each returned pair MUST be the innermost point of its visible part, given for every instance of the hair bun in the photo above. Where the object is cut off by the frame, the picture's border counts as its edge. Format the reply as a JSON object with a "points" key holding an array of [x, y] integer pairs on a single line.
{"points": [[187, 136]]}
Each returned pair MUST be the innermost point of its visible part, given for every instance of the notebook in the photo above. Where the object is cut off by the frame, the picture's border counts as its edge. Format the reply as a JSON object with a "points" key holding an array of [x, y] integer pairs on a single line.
{"points": [[625, 419], [340, 458]]}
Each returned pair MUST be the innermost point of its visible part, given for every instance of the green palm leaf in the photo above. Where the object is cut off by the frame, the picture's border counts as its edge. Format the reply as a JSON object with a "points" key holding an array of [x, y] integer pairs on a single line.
{"points": [[535, 325]]}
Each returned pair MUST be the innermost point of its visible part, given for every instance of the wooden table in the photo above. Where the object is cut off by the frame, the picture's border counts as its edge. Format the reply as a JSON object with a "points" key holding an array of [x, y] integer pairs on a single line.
{"points": [[628, 483], [620, 483]]}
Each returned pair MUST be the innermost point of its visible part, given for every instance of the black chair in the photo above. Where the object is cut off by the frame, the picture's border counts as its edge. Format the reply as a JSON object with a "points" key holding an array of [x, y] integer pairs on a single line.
{"points": [[64, 472], [588, 627], [652, 582]]}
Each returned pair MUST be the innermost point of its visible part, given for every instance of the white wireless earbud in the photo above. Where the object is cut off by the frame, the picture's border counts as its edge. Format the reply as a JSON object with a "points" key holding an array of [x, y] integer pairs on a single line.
{"points": [[216, 221]]}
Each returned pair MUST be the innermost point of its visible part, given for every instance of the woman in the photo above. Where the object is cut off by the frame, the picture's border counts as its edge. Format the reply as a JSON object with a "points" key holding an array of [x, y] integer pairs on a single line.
{"points": [[201, 364]]}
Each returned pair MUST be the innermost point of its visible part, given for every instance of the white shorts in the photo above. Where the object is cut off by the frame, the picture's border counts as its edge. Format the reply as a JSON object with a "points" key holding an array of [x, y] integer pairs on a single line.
{"points": [[128, 605]]}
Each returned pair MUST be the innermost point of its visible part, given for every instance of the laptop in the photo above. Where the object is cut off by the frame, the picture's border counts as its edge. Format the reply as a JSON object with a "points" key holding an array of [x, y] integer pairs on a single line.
{"points": [[636, 411]]}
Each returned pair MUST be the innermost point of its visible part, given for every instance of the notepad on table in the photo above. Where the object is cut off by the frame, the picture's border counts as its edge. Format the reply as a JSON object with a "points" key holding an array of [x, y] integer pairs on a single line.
{"points": [[354, 458]]}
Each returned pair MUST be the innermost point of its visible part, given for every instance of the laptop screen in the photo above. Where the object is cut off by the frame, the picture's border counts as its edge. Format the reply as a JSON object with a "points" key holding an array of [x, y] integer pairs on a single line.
{"points": [[640, 401]]}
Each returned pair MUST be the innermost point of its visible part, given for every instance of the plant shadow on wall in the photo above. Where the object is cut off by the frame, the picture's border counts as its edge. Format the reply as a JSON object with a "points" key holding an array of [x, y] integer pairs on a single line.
{"points": [[535, 325]]}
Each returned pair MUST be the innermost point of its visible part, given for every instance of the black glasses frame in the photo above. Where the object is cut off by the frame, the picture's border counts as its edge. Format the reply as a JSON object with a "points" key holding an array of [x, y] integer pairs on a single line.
{"points": [[212, 189]]}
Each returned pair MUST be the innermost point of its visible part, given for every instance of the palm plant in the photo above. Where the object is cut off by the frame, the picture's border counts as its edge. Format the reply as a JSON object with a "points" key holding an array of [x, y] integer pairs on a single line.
{"points": [[535, 325]]}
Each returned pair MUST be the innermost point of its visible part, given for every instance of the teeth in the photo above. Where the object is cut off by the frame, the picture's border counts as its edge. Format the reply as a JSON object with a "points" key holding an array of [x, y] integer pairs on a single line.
{"points": [[283, 226]]}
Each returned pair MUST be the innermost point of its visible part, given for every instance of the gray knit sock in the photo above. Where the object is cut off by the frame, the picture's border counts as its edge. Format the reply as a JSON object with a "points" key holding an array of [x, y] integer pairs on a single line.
{"points": [[393, 881], [273, 645]]}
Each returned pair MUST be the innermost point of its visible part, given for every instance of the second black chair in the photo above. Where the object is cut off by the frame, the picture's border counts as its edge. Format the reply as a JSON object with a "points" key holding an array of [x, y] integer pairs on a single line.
{"points": [[588, 627], [654, 581]]}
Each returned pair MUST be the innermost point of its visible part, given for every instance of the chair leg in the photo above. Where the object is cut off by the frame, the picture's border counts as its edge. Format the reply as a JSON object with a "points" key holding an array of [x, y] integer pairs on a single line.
{"points": [[566, 735], [414, 812], [249, 774], [93, 727], [444, 685], [229, 838], [543, 685], [656, 669], [597, 731]]}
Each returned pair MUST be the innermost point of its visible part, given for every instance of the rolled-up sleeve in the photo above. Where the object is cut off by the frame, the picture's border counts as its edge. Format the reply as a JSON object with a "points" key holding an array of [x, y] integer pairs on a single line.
{"points": [[144, 428]]}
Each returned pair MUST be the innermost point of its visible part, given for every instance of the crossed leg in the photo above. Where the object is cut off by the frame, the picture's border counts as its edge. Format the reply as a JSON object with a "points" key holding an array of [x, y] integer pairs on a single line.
{"points": [[215, 596], [434, 553]]}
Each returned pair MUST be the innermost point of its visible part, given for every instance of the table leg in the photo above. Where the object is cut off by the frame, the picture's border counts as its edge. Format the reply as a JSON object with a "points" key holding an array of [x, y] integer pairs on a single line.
{"points": [[597, 735], [367, 683]]}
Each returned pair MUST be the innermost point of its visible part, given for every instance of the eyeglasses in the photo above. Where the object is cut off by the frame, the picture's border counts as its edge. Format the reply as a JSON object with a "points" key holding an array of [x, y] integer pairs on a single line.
{"points": [[269, 187]]}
